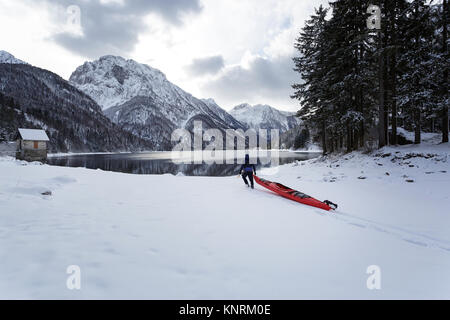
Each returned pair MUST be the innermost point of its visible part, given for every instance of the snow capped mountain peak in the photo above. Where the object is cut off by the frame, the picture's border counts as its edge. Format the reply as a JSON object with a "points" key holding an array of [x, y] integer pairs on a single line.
{"points": [[131, 64], [262, 116], [142, 100], [6, 57], [113, 80]]}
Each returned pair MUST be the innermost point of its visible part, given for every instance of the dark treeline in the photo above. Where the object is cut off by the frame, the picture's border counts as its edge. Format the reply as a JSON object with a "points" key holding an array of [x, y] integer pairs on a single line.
{"points": [[359, 85]]}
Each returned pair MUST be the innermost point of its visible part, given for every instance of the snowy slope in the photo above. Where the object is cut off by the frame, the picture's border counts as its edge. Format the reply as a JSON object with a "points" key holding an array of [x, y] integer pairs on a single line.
{"points": [[133, 239], [6, 57], [133, 94], [264, 117]]}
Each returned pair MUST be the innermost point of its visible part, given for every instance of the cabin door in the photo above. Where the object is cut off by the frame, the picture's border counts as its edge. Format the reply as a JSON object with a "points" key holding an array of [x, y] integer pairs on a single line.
{"points": [[36, 144]]}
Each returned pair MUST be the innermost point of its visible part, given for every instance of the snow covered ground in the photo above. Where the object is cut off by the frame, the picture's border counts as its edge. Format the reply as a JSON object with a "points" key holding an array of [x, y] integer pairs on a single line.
{"points": [[175, 237]]}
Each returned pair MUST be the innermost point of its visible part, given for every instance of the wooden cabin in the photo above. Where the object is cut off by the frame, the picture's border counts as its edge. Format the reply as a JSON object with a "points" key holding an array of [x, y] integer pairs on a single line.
{"points": [[32, 145]]}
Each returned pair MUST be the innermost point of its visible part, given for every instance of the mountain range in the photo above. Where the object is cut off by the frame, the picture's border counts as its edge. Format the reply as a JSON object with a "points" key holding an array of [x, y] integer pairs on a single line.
{"points": [[265, 117], [116, 104], [141, 100]]}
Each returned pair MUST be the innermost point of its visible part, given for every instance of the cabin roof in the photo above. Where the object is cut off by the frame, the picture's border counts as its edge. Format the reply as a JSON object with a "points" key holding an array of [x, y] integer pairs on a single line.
{"points": [[33, 135]]}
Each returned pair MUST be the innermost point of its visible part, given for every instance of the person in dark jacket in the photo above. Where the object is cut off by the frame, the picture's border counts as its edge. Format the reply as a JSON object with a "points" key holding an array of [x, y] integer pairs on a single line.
{"points": [[248, 170]]}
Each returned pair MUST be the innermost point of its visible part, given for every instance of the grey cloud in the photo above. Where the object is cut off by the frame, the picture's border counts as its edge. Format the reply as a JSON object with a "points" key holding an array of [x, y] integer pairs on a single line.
{"points": [[208, 65], [111, 28], [265, 81]]}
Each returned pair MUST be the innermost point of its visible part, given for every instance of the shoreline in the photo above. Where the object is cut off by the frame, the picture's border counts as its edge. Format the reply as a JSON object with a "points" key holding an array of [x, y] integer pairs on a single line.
{"points": [[68, 154]]}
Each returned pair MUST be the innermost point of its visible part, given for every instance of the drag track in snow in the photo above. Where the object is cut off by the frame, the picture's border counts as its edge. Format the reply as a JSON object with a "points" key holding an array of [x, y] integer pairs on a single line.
{"points": [[409, 236], [415, 238]]}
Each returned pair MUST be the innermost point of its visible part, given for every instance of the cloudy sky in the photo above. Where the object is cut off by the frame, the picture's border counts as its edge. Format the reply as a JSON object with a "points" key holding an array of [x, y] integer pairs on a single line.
{"points": [[234, 51]]}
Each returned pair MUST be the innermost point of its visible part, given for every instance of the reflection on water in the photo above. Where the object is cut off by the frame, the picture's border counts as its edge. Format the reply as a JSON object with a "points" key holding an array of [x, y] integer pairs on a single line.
{"points": [[163, 163]]}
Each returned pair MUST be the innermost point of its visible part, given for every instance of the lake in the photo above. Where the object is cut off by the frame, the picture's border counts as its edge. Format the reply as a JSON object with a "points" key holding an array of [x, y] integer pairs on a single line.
{"points": [[168, 163]]}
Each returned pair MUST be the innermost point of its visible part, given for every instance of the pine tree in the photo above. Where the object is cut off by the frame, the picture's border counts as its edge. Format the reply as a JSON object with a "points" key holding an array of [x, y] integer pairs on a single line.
{"points": [[443, 64], [350, 63], [337, 66], [393, 24], [415, 88], [310, 65]]}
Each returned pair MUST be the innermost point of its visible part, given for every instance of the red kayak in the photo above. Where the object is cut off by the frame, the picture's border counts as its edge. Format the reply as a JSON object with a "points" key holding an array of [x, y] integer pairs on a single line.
{"points": [[295, 195]]}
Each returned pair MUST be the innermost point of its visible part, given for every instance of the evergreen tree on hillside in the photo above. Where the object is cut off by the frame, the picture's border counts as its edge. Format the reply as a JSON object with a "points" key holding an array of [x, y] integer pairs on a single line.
{"points": [[445, 58], [353, 69], [311, 66], [440, 65], [337, 66], [416, 82], [393, 21]]}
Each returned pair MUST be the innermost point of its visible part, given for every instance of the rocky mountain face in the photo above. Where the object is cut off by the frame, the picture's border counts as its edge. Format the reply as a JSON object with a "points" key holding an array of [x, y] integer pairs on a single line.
{"points": [[36, 98], [142, 101], [265, 117]]}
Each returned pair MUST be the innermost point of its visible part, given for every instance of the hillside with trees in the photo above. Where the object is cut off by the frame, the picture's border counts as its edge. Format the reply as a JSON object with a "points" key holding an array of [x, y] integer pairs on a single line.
{"points": [[35, 98]]}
